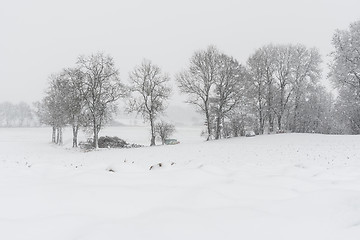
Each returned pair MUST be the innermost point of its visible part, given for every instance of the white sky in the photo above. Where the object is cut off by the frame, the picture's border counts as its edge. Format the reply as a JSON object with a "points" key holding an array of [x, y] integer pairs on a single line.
{"points": [[40, 37]]}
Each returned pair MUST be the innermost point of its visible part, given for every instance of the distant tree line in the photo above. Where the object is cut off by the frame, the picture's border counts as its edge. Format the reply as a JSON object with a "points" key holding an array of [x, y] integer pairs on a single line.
{"points": [[17, 115], [277, 90]]}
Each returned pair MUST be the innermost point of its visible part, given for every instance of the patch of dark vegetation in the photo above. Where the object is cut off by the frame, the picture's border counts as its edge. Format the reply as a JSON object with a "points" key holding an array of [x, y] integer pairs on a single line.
{"points": [[112, 142], [159, 165], [108, 142]]}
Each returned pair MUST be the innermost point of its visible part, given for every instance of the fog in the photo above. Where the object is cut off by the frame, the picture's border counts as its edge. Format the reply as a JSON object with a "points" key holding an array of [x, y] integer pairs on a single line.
{"points": [[41, 37]]}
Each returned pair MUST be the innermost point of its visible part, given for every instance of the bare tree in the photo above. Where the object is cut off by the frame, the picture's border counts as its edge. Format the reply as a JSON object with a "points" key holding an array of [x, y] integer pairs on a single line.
{"points": [[63, 104], [306, 70], [100, 88], [345, 75], [198, 81], [261, 68], [283, 70], [345, 65], [280, 76], [150, 91], [230, 86], [51, 110], [257, 71], [164, 130], [74, 103]]}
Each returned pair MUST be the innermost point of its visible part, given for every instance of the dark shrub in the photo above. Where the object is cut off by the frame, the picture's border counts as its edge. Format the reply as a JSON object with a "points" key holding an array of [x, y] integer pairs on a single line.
{"points": [[112, 142]]}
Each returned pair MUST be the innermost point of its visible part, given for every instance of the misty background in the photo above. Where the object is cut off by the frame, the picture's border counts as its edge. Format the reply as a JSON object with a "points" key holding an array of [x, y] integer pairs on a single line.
{"points": [[40, 37]]}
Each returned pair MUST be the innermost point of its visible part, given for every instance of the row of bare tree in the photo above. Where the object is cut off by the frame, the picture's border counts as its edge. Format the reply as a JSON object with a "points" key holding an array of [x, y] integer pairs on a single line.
{"points": [[85, 96], [216, 84], [279, 83], [277, 90]]}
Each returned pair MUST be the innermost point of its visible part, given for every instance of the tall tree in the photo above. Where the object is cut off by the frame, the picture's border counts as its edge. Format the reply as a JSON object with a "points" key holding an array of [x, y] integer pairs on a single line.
{"points": [[262, 67], [345, 65], [198, 81], [230, 85], [73, 101], [257, 70], [283, 69], [268, 62], [100, 88], [51, 110], [306, 71], [280, 75], [150, 92], [345, 74]]}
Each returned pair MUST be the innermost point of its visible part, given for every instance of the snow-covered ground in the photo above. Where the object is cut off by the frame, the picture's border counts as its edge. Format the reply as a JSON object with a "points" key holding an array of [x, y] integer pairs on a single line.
{"points": [[286, 186]]}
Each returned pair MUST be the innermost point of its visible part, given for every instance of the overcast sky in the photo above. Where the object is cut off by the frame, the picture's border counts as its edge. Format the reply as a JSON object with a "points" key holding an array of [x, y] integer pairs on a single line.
{"points": [[40, 37]]}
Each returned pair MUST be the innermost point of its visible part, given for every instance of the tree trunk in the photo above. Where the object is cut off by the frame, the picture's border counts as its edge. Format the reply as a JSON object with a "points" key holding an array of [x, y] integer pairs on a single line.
{"points": [[75, 134], [296, 127], [218, 128], [152, 142], [261, 120], [261, 123], [271, 123], [279, 117], [60, 136], [207, 114], [57, 135], [96, 136], [53, 136], [269, 104]]}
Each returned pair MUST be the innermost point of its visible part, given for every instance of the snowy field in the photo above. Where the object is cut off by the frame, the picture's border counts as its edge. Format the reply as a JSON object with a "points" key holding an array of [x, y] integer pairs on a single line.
{"points": [[286, 186]]}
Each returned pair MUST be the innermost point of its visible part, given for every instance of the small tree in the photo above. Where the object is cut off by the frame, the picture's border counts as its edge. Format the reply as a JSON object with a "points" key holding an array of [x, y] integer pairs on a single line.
{"points": [[164, 130], [149, 92]]}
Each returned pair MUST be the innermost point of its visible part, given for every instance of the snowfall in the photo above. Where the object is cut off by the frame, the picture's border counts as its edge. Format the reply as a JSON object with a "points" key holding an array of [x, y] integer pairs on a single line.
{"points": [[279, 186]]}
